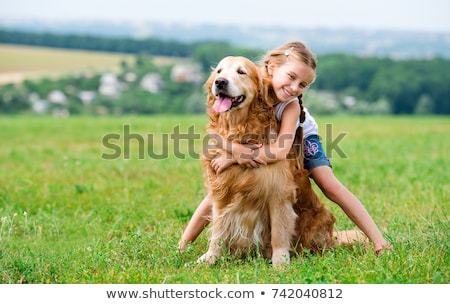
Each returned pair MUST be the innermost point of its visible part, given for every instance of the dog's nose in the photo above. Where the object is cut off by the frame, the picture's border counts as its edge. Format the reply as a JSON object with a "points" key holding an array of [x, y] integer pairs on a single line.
{"points": [[221, 83]]}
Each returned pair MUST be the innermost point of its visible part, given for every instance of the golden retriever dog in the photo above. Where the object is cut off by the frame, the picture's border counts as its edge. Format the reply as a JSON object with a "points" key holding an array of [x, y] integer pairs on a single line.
{"points": [[271, 209]]}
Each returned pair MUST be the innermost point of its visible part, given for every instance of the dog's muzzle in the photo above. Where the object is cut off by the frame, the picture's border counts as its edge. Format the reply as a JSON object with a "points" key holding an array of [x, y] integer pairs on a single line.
{"points": [[221, 83], [224, 102]]}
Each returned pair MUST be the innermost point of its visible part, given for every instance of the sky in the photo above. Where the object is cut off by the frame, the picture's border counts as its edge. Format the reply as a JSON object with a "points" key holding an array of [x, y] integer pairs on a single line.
{"points": [[428, 15]]}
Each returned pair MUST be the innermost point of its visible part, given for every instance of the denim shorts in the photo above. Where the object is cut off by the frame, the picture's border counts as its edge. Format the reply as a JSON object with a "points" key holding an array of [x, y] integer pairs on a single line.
{"points": [[314, 154]]}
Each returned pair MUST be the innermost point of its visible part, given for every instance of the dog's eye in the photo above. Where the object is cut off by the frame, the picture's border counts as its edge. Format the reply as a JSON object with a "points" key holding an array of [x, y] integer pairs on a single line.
{"points": [[219, 70], [241, 71]]}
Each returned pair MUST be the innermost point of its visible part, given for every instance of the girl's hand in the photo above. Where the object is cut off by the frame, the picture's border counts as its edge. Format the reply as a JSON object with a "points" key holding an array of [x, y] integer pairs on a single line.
{"points": [[247, 155], [221, 162]]}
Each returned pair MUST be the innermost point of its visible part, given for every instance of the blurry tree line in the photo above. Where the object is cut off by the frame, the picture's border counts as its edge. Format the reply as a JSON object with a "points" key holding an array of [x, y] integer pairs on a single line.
{"points": [[131, 96], [344, 83], [410, 86], [86, 42]]}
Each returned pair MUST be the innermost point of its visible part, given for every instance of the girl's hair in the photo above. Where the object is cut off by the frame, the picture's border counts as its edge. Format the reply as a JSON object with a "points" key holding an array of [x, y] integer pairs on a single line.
{"points": [[296, 49], [279, 56]]}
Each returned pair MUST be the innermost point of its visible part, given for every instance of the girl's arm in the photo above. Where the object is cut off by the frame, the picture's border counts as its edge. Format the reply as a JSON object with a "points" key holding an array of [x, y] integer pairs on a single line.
{"points": [[226, 159], [255, 155], [242, 154], [200, 219], [281, 147]]}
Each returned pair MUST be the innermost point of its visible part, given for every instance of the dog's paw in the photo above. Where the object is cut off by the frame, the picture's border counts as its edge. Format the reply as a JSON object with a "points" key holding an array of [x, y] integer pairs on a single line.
{"points": [[280, 258], [201, 259], [208, 258]]}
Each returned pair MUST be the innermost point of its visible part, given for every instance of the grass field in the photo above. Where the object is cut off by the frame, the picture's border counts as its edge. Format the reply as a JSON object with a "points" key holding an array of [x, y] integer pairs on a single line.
{"points": [[69, 216], [18, 63]]}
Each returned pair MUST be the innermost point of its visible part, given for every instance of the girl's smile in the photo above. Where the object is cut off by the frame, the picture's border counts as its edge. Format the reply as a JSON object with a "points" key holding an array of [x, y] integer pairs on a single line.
{"points": [[290, 79]]}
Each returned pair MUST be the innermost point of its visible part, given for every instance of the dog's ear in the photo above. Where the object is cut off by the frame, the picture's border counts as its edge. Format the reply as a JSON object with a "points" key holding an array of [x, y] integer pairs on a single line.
{"points": [[208, 87], [210, 99], [264, 84], [264, 95], [262, 91]]}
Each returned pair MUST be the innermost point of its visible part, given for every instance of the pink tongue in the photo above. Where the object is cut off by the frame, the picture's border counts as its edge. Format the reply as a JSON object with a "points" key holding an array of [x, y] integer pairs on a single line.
{"points": [[222, 104]]}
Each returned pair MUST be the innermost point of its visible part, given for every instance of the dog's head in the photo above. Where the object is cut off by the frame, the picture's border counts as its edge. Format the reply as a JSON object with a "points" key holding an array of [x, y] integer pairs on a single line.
{"points": [[233, 84]]}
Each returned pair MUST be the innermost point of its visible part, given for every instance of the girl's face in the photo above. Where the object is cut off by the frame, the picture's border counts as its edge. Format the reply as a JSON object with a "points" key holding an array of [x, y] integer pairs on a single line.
{"points": [[290, 79]]}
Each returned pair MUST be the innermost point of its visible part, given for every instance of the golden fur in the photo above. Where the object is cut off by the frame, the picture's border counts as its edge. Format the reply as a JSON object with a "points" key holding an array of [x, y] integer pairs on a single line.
{"points": [[271, 209]]}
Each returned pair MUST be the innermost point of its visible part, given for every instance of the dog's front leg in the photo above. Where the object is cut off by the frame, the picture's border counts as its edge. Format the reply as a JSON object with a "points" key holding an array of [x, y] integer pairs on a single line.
{"points": [[212, 254], [282, 221], [215, 244]]}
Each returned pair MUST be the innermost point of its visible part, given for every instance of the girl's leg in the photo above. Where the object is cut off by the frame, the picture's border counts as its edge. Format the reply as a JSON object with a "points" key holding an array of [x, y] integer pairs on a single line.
{"points": [[338, 193], [200, 219]]}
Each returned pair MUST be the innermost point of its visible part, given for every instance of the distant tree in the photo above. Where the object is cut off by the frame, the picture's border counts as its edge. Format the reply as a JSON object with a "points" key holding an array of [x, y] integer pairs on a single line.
{"points": [[401, 82], [12, 100], [196, 102], [424, 105], [209, 54]]}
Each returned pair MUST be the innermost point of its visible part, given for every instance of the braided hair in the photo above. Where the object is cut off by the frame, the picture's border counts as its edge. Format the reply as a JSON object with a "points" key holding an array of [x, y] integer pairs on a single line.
{"points": [[297, 145]]}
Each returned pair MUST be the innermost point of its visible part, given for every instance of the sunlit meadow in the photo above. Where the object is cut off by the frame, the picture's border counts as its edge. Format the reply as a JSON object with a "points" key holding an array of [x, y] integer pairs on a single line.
{"points": [[68, 215]]}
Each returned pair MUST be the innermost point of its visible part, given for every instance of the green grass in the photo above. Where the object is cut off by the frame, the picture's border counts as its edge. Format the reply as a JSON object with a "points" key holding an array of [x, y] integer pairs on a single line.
{"points": [[69, 216]]}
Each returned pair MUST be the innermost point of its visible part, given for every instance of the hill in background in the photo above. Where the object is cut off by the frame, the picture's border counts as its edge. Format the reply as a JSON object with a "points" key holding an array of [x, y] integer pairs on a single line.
{"points": [[394, 44]]}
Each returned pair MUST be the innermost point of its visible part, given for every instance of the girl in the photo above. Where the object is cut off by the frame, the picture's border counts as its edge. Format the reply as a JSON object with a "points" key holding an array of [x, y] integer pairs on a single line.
{"points": [[288, 70]]}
